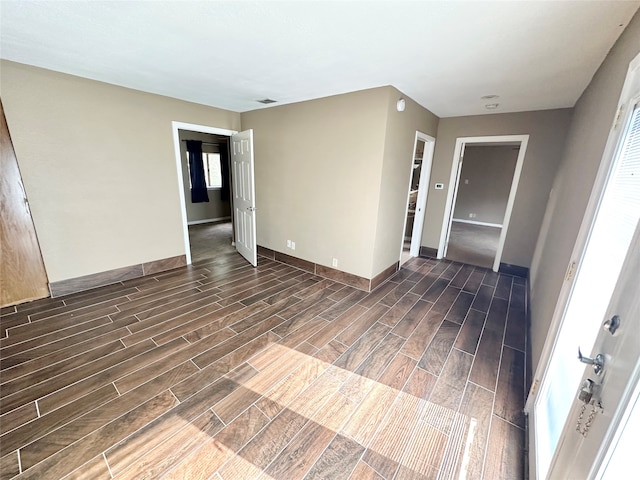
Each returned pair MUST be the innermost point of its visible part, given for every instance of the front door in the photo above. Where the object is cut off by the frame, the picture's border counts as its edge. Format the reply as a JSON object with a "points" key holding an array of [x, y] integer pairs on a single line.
{"points": [[600, 283], [588, 435], [244, 203]]}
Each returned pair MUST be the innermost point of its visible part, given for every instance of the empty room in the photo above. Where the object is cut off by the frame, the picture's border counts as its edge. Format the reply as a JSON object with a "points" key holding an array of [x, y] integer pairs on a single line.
{"points": [[319, 240]]}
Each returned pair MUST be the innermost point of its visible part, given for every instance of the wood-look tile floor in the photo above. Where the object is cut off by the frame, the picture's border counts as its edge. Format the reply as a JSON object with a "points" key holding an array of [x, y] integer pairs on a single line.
{"points": [[224, 371]]}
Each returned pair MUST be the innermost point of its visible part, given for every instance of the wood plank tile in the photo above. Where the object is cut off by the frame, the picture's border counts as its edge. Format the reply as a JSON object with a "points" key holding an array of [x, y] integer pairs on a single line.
{"points": [[337, 461], [17, 417], [446, 300], [516, 330], [365, 421], [460, 308], [95, 469], [475, 407], [503, 287], [331, 351], [405, 327], [270, 441], [424, 283], [420, 384], [377, 295], [36, 359], [295, 322], [364, 472], [397, 293], [344, 305], [31, 350], [435, 290], [330, 331], [490, 278], [292, 385], [423, 334], [95, 419], [212, 455], [9, 465], [168, 454], [474, 281], [483, 298], [46, 424], [438, 350], [424, 454], [394, 435], [360, 350], [485, 367], [219, 351], [505, 452], [469, 336], [462, 276], [510, 390], [48, 372], [108, 369], [397, 372], [399, 310], [68, 459], [276, 309], [377, 361], [361, 324], [298, 456]]}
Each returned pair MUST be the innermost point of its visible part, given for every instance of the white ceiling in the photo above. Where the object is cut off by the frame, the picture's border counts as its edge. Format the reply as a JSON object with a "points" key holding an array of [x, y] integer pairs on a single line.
{"points": [[443, 54]]}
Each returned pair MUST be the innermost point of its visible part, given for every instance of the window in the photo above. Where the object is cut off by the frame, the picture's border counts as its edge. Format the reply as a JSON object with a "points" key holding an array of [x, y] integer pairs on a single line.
{"points": [[212, 170]]}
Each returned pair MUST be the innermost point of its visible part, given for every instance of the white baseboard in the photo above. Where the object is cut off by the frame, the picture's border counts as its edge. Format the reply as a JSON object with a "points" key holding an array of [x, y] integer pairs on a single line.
{"points": [[208, 220], [473, 222]]}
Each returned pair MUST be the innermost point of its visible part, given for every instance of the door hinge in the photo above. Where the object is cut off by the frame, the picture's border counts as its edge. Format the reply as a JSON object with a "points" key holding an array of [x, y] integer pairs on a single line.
{"points": [[534, 387], [616, 124], [571, 271]]}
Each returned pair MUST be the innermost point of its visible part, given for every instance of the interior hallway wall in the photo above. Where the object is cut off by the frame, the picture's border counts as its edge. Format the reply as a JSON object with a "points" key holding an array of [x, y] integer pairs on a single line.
{"points": [[485, 183], [594, 115], [547, 130], [99, 167]]}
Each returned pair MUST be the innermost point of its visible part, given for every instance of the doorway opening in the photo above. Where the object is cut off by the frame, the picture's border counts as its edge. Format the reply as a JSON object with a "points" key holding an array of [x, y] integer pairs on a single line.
{"points": [[207, 226], [417, 197], [482, 189]]}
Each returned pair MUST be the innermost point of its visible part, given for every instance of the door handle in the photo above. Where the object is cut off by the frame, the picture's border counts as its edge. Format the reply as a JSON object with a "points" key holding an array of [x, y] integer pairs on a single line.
{"points": [[597, 362], [251, 209]]}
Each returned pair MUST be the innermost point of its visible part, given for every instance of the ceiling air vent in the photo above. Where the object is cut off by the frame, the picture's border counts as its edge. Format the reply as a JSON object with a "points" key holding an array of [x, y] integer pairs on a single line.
{"points": [[267, 101]]}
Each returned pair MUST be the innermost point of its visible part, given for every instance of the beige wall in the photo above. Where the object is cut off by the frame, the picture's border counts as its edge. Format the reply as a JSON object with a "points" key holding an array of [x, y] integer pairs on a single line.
{"points": [[485, 183], [216, 207], [396, 169], [547, 130], [99, 168], [593, 116], [317, 170]]}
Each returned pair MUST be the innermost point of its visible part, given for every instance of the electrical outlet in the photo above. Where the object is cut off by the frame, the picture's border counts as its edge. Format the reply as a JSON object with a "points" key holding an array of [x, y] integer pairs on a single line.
{"points": [[473, 215], [288, 243], [334, 263], [293, 245]]}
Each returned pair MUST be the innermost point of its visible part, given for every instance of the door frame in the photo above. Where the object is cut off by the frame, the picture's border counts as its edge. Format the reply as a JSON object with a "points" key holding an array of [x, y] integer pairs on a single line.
{"points": [[454, 183], [175, 126], [612, 145], [423, 192]]}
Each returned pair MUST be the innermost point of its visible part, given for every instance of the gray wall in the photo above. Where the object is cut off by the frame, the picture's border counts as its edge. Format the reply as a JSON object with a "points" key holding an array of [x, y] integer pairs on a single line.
{"points": [[593, 117], [215, 208], [485, 182], [547, 130], [99, 167]]}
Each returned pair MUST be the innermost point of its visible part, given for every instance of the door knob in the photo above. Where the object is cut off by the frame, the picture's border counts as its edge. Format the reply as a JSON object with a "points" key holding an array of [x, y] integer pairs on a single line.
{"points": [[597, 362]]}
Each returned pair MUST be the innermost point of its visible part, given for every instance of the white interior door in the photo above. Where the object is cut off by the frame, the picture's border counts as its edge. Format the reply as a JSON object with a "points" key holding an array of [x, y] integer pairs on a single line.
{"points": [[423, 191], [244, 202], [588, 297]]}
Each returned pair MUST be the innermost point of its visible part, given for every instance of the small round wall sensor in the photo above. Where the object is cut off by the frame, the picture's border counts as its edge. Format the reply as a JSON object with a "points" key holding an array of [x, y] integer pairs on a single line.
{"points": [[400, 105]]}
